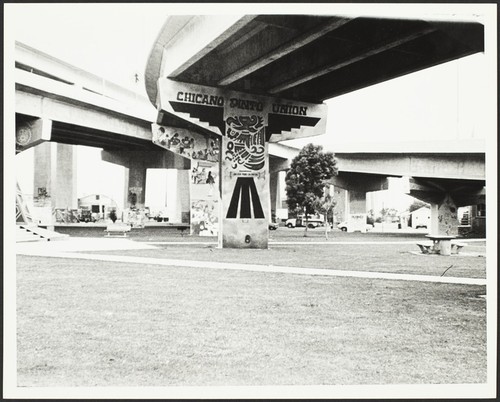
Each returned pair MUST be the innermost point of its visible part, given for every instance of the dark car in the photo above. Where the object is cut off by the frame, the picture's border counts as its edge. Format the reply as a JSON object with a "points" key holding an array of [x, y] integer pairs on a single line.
{"points": [[273, 226]]}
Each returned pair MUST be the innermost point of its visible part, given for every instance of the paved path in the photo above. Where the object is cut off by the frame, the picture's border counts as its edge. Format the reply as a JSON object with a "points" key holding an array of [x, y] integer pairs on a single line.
{"points": [[66, 249]]}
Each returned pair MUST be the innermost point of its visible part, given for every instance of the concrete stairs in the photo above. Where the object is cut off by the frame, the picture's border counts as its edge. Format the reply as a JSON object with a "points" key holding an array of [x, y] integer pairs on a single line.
{"points": [[27, 233]]}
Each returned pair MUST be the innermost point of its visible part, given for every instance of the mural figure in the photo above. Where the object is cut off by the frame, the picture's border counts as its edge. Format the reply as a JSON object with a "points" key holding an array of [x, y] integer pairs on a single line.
{"points": [[186, 143], [211, 183], [246, 142], [204, 221]]}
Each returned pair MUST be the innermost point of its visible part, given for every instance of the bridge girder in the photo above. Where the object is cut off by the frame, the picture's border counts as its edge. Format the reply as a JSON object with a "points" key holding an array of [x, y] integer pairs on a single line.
{"points": [[302, 57]]}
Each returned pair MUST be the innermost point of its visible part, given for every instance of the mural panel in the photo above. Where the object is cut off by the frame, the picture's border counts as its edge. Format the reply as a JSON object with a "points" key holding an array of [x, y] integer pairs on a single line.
{"points": [[203, 150], [447, 217], [246, 123], [245, 188]]}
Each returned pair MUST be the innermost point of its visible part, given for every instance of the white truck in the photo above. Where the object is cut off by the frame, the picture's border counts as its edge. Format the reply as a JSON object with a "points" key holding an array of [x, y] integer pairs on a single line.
{"points": [[313, 221]]}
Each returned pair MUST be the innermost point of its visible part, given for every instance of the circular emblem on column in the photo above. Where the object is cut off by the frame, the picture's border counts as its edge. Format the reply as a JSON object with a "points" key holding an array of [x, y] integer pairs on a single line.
{"points": [[23, 136]]}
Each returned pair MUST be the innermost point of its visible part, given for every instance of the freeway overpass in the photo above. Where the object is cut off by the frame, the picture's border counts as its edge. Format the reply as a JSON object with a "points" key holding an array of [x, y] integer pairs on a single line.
{"points": [[61, 103], [445, 180], [251, 80]]}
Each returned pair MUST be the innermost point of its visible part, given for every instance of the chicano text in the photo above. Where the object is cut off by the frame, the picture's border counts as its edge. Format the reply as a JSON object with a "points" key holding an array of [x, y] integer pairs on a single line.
{"points": [[202, 99]]}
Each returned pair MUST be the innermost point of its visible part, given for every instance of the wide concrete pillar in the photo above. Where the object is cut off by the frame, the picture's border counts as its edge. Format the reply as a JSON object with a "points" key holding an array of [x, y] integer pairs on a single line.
{"points": [[444, 218], [54, 180], [356, 216], [65, 195], [245, 123], [44, 175], [445, 196]]}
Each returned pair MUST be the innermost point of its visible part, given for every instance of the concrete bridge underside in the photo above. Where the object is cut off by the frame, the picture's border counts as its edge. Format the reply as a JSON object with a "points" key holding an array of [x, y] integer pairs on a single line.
{"points": [[444, 180], [297, 58], [302, 57]]}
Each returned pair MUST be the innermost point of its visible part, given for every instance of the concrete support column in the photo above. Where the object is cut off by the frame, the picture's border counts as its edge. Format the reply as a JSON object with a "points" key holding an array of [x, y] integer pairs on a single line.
{"points": [[444, 218], [342, 204], [274, 192], [183, 198], [356, 217], [44, 177], [66, 179], [135, 184], [54, 180]]}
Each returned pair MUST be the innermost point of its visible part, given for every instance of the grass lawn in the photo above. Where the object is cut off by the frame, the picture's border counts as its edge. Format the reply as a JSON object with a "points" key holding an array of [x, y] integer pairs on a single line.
{"points": [[391, 258], [82, 323]]}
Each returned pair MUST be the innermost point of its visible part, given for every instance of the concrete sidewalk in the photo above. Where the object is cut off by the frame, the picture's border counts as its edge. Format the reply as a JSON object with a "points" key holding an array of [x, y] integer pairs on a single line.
{"points": [[73, 248]]}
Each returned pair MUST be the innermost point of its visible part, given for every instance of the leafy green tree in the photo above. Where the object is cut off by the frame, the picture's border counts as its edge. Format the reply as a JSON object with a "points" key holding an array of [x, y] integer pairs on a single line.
{"points": [[325, 206], [305, 180], [417, 204]]}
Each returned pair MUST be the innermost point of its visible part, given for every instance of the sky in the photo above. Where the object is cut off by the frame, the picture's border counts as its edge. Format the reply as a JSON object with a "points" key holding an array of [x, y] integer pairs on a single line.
{"points": [[444, 103]]}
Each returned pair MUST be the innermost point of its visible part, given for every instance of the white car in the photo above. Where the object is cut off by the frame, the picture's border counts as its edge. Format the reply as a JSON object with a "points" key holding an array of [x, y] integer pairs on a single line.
{"points": [[344, 226], [301, 222]]}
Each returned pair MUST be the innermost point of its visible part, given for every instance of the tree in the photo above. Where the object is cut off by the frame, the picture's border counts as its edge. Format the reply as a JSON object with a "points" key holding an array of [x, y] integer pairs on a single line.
{"points": [[417, 204], [388, 214], [325, 205], [306, 179]]}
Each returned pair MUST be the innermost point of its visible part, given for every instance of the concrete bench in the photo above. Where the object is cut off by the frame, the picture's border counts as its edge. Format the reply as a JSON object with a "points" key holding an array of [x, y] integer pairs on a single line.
{"points": [[117, 230], [426, 247], [456, 247]]}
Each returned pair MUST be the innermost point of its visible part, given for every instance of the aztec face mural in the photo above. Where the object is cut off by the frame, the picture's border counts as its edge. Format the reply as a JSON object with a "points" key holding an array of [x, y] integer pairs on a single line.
{"points": [[245, 189], [246, 124]]}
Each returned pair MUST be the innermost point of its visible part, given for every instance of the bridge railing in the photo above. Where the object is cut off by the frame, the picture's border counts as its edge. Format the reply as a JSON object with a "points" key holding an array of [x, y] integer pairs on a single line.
{"points": [[42, 64]]}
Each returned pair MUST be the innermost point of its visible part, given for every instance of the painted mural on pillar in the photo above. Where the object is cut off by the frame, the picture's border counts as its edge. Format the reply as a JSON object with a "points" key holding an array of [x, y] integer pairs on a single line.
{"points": [[204, 217], [187, 143], [246, 143], [204, 195], [447, 217], [245, 188], [246, 123], [203, 151]]}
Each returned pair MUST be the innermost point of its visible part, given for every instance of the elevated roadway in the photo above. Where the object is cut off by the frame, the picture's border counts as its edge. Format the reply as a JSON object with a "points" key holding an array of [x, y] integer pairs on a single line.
{"points": [[274, 71], [302, 57], [60, 103]]}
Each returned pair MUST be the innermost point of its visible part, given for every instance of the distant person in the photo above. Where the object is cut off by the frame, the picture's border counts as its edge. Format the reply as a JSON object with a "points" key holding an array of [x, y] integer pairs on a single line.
{"points": [[210, 178], [210, 181]]}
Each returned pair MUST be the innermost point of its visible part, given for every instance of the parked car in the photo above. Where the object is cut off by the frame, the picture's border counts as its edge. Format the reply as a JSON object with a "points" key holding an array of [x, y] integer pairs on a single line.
{"points": [[312, 222], [273, 226], [344, 226]]}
